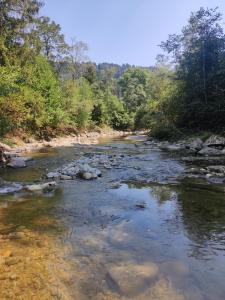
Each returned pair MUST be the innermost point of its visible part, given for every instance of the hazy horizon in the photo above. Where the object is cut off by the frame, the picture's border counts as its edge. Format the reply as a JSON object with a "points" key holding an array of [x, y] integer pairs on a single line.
{"points": [[127, 31]]}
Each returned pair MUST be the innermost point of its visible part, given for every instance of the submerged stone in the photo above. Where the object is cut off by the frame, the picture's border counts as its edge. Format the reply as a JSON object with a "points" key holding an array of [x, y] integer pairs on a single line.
{"points": [[13, 188], [17, 162], [45, 187], [132, 278]]}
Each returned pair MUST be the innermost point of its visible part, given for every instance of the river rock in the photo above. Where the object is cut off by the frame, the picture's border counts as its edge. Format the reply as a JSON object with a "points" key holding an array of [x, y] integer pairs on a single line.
{"points": [[43, 187], [197, 171], [17, 162], [70, 171], [217, 169], [208, 151], [141, 205], [88, 175], [65, 177], [132, 278], [12, 188], [215, 140], [170, 147], [52, 175], [87, 172], [195, 144]]}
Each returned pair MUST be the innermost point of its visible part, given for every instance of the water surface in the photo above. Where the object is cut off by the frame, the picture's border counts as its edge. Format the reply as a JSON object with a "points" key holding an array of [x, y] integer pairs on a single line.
{"points": [[92, 239]]}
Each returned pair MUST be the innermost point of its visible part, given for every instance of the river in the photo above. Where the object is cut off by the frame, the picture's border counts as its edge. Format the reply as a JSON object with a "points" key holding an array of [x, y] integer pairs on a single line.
{"points": [[138, 232]]}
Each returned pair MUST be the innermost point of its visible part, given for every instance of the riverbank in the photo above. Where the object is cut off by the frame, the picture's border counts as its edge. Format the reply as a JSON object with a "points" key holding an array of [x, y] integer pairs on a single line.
{"points": [[85, 138]]}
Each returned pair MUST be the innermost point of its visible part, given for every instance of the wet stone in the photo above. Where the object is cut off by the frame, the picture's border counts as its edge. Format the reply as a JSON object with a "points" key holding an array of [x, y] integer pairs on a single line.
{"points": [[141, 205], [132, 278]]}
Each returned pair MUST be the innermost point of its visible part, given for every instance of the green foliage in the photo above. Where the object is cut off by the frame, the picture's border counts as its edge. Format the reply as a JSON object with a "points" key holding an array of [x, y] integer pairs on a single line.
{"points": [[47, 85], [199, 55], [78, 102], [134, 86]]}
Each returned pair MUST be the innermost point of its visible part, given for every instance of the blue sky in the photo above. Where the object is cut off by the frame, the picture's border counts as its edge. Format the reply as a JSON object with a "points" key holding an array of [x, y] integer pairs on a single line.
{"points": [[123, 31]]}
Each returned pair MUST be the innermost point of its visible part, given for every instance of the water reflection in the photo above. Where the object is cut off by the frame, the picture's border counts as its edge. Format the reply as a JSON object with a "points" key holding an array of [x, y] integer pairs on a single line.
{"points": [[91, 241]]}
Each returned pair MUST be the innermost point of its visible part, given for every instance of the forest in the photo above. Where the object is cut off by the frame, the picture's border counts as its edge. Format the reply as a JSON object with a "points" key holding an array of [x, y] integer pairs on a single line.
{"points": [[49, 87]]}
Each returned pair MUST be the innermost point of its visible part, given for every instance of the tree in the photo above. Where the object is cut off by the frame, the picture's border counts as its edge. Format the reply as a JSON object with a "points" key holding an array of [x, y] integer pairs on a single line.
{"points": [[17, 18], [77, 56], [199, 56], [134, 85], [51, 41]]}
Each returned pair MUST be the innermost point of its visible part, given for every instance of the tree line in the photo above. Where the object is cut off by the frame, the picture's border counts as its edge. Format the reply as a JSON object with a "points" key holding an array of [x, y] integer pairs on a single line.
{"points": [[48, 86]]}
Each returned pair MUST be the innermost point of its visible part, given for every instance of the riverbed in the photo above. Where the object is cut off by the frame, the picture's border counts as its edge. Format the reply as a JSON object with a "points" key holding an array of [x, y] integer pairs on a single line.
{"points": [[140, 231]]}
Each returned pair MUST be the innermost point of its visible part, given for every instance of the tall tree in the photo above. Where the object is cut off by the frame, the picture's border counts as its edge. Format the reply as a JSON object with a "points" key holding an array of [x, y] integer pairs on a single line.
{"points": [[134, 85], [199, 52], [17, 18], [77, 56], [51, 41]]}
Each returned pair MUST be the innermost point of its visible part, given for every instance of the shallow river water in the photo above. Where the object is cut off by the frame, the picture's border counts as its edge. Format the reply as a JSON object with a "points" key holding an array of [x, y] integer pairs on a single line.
{"points": [[138, 232]]}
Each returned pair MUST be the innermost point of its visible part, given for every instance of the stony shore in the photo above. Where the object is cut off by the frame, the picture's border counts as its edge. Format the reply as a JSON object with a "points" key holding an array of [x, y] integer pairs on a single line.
{"points": [[85, 138]]}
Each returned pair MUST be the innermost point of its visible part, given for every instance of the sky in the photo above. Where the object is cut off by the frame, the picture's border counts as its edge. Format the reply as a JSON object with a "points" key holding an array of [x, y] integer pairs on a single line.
{"points": [[124, 31]]}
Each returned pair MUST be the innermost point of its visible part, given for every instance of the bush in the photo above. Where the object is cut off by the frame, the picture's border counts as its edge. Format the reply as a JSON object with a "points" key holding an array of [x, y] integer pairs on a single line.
{"points": [[165, 132]]}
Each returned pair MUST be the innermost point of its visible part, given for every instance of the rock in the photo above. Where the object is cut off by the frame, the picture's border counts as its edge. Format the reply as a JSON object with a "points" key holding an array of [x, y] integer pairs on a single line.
{"points": [[13, 188], [65, 177], [17, 162], [26, 158], [201, 159], [88, 175], [52, 175], [87, 172], [5, 147], [141, 205], [107, 166], [70, 171], [201, 171], [216, 179], [10, 261], [43, 187], [13, 277], [170, 147], [208, 176], [208, 151], [217, 169], [215, 140], [132, 278], [195, 145], [7, 253], [163, 145]]}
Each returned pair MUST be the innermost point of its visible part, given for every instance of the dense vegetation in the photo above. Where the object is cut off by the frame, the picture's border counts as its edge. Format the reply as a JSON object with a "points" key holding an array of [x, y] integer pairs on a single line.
{"points": [[48, 86]]}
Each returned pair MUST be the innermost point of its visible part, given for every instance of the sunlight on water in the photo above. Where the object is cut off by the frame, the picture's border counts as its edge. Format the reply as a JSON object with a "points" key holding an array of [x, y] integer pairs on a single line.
{"points": [[90, 240]]}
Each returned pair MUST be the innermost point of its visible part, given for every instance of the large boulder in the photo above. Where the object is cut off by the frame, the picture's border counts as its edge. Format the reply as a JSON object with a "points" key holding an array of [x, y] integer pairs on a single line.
{"points": [[215, 141], [195, 144], [208, 151], [17, 162]]}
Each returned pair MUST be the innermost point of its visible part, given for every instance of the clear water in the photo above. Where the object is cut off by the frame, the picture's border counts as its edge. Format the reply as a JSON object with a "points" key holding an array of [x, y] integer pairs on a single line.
{"points": [[97, 243]]}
